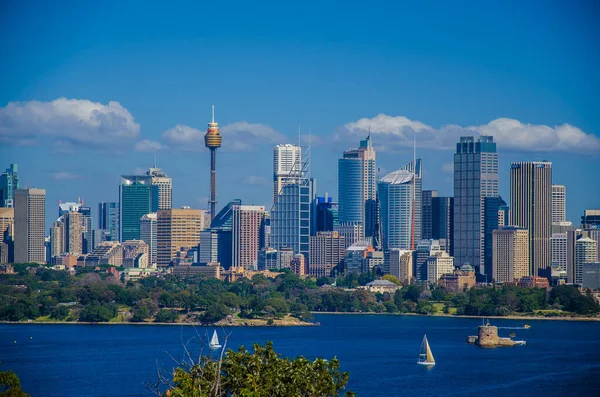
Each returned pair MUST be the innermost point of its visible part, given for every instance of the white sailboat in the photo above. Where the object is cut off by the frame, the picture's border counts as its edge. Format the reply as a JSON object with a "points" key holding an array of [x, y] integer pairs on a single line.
{"points": [[214, 342], [426, 356]]}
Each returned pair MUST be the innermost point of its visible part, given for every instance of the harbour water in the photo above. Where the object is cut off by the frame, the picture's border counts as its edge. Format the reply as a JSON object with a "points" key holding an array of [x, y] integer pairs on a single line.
{"points": [[379, 351]]}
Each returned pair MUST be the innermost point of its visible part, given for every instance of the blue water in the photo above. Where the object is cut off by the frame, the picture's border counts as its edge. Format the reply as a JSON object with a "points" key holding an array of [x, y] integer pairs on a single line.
{"points": [[379, 352]]}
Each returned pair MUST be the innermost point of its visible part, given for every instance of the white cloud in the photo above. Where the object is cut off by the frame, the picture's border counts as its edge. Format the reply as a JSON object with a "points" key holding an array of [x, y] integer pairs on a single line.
{"points": [[148, 146], [256, 180], [78, 122], [390, 133], [239, 136], [448, 168], [63, 176]]}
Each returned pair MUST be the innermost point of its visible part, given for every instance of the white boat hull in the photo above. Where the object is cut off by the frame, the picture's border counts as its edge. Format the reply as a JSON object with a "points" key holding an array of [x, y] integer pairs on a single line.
{"points": [[426, 363]]}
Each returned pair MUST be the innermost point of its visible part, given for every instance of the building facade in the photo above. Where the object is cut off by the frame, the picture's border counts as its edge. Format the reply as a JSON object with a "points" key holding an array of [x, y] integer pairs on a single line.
{"points": [[475, 177], [510, 254], [248, 228], [327, 253], [176, 229], [442, 214], [9, 183], [437, 265], [148, 225], [357, 183], [427, 213], [396, 198], [73, 233], [558, 251], [495, 217], [531, 208], [325, 218], [400, 264], [559, 203], [586, 251], [287, 167], [30, 219], [108, 219]]}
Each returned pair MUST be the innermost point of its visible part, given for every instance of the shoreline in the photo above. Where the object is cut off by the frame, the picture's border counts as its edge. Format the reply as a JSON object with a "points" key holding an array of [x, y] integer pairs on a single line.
{"points": [[511, 317]]}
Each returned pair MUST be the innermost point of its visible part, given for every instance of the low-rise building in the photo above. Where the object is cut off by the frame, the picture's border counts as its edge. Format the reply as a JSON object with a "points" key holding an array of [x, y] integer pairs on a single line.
{"points": [[437, 265], [106, 253], [381, 286], [459, 280], [210, 270], [534, 282]]}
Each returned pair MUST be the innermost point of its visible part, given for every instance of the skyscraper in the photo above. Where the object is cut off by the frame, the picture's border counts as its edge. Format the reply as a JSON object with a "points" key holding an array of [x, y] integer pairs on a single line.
{"points": [[495, 216], [86, 229], [531, 208], [327, 251], [559, 203], [510, 258], [108, 219], [30, 219], [325, 217], [9, 183], [287, 166], [7, 222], [558, 249], [73, 233], [357, 184], [140, 195], [427, 213], [175, 229], [212, 140], [442, 223], [247, 235], [475, 177], [396, 200], [148, 225]]}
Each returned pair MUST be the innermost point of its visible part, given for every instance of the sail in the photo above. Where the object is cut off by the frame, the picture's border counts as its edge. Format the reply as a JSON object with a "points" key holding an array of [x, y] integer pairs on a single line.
{"points": [[429, 354], [214, 342]]}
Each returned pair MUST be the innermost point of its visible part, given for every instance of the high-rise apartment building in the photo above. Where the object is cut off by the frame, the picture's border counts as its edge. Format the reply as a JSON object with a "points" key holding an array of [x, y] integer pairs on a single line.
{"points": [[510, 259], [357, 184], [427, 213], [57, 239], [287, 167], [475, 177], [248, 229], [140, 195], [30, 219], [559, 204], [558, 250], [442, 213], [73, 233], [9, 183], [108, 219], [327, 251], [531, 208], [148, 234], [586, 251], [176, 229]]}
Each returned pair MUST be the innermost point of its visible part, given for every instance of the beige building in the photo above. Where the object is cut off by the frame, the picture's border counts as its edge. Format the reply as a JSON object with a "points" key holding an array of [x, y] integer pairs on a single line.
{"points": [[148, 234], [106, 253], [176, 229], [73, 233], [437, 265], [57, 239], [352, 232], [7, 221], [400, 264], [30, 219], [135, 254], [327, 250], [248, 221], [381, 286], [298, 265], [559, 203], [510, 256]]}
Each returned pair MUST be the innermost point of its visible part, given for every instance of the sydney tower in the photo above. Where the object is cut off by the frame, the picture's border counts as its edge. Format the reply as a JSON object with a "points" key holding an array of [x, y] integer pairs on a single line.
{"points": [[212, 140]]}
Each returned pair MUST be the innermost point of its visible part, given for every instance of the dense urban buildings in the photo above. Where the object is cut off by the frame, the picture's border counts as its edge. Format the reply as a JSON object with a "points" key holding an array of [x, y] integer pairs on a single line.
{"points": [[326, 217], [427, 213], [30, 219], [510, 259], [442, 222], [399, 263], [148, 234], [396, 198], [108, 219], [327, 253], [531, 208], [357, 185], [438, 264]]}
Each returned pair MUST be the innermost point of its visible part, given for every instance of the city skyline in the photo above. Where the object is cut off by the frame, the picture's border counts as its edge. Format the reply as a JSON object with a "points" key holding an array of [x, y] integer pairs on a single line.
{"points": [[437, 85]]}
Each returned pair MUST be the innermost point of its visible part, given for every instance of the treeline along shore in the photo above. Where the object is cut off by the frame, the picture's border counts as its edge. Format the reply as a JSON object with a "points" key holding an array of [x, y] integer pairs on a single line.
{"points": [[39, 294]]}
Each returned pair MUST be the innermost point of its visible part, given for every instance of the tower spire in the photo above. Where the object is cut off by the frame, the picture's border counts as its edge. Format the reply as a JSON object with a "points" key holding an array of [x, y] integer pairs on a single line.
{"points": [[213, 114]]}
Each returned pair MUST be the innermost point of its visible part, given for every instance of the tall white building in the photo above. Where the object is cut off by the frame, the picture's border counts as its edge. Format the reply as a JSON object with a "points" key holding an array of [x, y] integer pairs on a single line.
{"points": [[586, 251], [559, 204], [396, 198], [148, 234], [30, 219], [287, 166], [248, 222], [558, 246], [164, 185]]}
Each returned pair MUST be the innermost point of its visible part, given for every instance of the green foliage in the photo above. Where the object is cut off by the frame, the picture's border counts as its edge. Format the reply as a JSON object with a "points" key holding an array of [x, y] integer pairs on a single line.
{"points": [[10, 385], [262, 372], [392, 278], [95, 313], [215, 312], [166, 316]]}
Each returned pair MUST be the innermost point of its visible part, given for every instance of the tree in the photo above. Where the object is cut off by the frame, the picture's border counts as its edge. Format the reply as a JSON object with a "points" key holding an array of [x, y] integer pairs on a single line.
{"points": [[215, 312], [392, 278], [166, 316], [262, 372], [10, 385]]}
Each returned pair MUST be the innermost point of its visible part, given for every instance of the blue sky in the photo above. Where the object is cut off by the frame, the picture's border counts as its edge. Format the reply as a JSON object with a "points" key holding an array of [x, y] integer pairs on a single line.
{"points": [[137, 77]]}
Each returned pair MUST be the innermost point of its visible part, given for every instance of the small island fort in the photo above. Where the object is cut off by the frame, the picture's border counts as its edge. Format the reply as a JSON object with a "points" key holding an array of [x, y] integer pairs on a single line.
{"points": [[487, 336]]}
